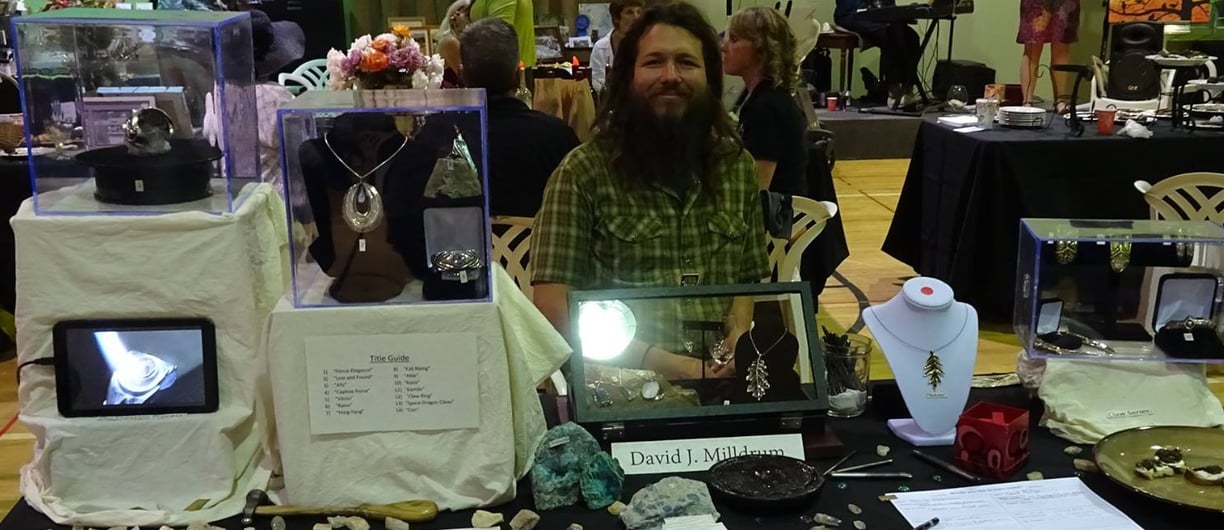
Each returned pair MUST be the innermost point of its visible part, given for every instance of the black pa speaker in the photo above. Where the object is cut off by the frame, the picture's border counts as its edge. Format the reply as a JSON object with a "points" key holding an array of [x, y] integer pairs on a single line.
{"points": [[974, 76], [1132, 77]]}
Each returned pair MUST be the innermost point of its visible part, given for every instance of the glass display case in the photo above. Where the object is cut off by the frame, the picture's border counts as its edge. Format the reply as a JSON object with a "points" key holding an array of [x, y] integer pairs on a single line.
{"points": [[1120, 290], [132, 111], [386, 194], [738, 359]]}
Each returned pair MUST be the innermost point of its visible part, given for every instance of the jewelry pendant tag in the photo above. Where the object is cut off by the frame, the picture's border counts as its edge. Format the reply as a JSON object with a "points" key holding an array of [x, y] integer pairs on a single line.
{"points": [[361, 244], [1189, 337], [463, 277], [690, 279]]}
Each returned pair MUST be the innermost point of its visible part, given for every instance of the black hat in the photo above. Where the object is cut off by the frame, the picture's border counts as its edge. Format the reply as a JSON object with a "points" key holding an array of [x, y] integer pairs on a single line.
{"points": [[285, 43]]}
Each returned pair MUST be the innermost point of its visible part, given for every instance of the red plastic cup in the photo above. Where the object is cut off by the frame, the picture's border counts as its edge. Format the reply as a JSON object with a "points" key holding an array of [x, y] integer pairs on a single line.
{"points": [[1105, 121], [831, 103]]}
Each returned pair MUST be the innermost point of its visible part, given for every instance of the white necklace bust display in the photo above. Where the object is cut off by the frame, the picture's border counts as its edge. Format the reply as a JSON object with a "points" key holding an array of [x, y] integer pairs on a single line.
{"points": [[930, 341]]}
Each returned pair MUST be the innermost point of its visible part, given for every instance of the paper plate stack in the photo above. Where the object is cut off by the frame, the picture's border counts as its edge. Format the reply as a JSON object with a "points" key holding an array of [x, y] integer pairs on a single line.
{"points": [[1022, 117]]}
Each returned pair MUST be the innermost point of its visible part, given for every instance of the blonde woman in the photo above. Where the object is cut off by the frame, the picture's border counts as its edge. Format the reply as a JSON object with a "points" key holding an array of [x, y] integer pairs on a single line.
{"points": [[457, 18], [760, 48]]}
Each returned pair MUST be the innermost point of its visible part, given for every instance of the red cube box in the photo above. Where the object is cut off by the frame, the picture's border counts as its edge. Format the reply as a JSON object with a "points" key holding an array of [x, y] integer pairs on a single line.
{"points": [[992, 440]]}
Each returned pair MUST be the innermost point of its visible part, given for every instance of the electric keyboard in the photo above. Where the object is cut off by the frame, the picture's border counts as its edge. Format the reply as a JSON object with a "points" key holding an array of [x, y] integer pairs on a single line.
{"points": [[918, 11]]}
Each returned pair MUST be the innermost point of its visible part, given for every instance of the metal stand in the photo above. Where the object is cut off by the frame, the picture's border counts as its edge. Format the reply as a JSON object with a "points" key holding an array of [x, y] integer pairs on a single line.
{"points": [[1081, 73]]}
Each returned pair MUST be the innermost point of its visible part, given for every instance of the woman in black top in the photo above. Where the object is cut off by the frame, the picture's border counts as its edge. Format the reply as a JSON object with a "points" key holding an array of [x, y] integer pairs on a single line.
{"points": [[760, 48]]}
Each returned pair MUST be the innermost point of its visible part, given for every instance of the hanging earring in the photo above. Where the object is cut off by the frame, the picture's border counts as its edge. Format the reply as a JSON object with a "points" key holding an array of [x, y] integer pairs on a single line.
{"points": [[1064, 251], [1119, 255]]}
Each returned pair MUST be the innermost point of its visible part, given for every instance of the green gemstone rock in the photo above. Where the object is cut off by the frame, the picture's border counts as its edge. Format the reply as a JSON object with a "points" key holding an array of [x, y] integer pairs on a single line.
{"points": [[560, 463], [603, 481]]}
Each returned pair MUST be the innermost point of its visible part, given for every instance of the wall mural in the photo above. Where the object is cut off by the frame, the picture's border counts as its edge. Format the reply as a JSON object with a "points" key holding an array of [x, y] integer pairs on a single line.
{"points": [[1159, 10]]}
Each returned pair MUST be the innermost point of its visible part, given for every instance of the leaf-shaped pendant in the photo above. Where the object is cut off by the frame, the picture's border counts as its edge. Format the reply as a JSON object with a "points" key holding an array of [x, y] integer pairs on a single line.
{"points": [[933, 370], [362, 207], [758, 379], [1064, 251], [1119, 255]]}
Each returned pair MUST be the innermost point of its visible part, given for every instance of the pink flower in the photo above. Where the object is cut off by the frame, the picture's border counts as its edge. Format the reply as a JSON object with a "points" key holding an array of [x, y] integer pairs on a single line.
{"points": [[402, 59], [351, 62]]}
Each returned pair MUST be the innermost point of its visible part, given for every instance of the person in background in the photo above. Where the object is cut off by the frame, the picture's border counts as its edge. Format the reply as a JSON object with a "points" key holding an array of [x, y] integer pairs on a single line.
{"points": [[899, 46], [1042, 21], [623, 12], [760, 48], [662, 195], [457, 18], [524, 146], [517, 13]]}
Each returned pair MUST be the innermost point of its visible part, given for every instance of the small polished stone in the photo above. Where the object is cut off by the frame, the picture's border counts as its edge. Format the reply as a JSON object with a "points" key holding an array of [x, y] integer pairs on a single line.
{"points": [[524, 520], [483, 519], [860, 525], [278, 523], [574, 526], [937, 478], [903, 488], [1073, 450], [616, 508], [355, 523], [338, 521], [842, 485], [826, 519], [882, 450], [391, 523], [1086, 466], [1036, 475], [321, 526], [854, 509]]}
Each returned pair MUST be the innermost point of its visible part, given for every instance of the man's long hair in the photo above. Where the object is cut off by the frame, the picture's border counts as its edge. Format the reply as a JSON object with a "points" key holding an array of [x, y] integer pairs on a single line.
{"points": [[703, 139]]}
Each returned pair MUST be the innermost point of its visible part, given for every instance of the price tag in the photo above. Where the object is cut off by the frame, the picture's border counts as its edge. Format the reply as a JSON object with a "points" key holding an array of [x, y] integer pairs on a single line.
{"points": [[139, 185], [361, 245], [1189, 337], [463, 277]]}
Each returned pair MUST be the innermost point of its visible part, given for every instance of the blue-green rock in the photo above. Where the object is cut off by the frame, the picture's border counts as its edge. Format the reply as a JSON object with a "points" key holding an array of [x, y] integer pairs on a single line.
{"points": [[560, 459], [670, 497], [603, 481]]}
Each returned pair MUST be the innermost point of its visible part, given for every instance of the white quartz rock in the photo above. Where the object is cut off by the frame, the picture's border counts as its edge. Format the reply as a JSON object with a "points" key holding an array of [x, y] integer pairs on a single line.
{"points": [[321, 526], [483, 519], [356, 523], [392, 523], [524, 520], [337, 521]]}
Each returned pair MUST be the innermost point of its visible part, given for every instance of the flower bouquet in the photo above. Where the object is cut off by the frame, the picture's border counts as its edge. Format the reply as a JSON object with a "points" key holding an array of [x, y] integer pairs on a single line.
{"points": [[389, 60]]}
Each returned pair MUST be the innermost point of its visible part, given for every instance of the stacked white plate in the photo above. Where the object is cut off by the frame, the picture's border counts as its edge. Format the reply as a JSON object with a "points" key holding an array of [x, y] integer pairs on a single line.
{"points": [[1022, 117]]}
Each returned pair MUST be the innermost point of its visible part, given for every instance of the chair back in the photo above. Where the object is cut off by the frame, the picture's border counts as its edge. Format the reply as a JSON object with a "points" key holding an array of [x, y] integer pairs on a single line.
{"points": [[296, 84], [314, 72], [1186, 197], [512, 248], [785, 256]]}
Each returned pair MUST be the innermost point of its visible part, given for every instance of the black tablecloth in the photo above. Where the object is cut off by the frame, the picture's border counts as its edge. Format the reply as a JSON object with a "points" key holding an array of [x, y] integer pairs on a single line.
{"points": [[958, 215], [862, 434]]}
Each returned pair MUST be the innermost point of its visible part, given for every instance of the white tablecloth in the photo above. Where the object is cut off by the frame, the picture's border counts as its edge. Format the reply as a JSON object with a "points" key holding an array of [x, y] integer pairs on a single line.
{"points": [[147, 470], [458, 469]]}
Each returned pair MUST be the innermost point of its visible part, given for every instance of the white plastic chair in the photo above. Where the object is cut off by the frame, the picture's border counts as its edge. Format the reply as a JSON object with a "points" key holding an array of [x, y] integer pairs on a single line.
{"points": [[512, 248], [785, 256], [310, 75], [1186, 197]]}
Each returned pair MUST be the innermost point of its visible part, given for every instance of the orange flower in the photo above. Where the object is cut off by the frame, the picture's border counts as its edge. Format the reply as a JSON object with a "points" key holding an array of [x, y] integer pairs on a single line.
{"points": [[373, 61], [382, 45], [401, 31]]}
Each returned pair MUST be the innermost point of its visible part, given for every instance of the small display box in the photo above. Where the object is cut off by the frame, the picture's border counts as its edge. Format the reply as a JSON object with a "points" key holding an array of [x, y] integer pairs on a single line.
{"points": [[137, 111], [386, 193], [677, 362], [1120, 290]]}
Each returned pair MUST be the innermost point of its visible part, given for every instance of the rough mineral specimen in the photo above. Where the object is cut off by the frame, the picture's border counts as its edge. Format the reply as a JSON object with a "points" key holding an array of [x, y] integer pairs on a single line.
{"points": [[524, 520], [337, 521], [574, 526], [882, 450], [1036, 475], [826, 519], [392, 523], [670, 497], [560, 458], [1073, 450], [321, 526], [854, 509], [602, 482], [483, 519], [860, 525], [1086, 466], [616, 508], [354, 523], [278, 523]]}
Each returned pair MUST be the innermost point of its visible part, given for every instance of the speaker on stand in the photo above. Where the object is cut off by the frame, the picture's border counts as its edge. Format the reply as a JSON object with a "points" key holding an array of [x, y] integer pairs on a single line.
{"points": [[1132, 77]]}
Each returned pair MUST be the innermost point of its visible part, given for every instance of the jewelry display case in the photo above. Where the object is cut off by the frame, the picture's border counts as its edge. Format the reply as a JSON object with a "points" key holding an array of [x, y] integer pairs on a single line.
{"points": [[689, 361], [137, 111], [1120, 290], [386, 196]]}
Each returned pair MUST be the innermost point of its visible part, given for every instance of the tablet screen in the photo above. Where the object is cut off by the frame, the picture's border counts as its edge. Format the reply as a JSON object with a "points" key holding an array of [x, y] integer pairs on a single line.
{"points": [[116, 368]]}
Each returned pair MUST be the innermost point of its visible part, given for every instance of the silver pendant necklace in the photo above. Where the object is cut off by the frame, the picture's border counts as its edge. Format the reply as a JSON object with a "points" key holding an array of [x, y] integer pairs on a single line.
{"points": [[362, 193], [758, 375], [932, 369]]}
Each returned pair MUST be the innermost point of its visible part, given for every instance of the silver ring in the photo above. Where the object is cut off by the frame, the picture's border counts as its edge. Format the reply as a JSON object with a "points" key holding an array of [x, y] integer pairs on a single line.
{"points": [[455, 260]]}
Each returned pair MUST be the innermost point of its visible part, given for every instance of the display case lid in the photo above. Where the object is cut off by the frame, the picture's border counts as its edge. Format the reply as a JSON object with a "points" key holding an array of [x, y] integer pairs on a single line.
{"points": [[613, 383], [85, 15], [1136, 231], [325, 101]]}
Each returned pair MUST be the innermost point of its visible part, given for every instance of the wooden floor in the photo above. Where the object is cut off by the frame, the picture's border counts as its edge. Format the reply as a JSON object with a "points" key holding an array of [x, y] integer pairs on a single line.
{"points": [[868, 193]]}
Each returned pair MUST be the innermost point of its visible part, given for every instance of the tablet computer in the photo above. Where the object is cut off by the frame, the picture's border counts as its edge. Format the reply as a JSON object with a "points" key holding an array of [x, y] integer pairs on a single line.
{"points": [[135, 366]]}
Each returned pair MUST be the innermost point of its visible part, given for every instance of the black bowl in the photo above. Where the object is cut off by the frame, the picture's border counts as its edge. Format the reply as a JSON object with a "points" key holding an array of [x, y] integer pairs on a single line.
{"points": [[765, 484]]}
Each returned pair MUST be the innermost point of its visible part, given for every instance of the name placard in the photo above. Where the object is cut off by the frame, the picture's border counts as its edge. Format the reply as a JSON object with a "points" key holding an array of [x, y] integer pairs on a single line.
{"points": [[683, 456], [417, 382]]}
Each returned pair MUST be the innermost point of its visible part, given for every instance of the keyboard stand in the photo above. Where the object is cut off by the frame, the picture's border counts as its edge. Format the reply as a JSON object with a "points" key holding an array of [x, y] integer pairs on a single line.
{"points": [[895, 110]]}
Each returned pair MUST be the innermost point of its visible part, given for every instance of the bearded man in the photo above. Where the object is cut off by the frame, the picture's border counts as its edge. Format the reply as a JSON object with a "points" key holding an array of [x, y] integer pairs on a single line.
{"points": [[662, 195]]}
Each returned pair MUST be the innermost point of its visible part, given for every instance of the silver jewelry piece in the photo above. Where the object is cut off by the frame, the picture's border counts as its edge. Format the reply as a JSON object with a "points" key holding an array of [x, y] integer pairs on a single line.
{"points": [[358, 194], [1189, 323], [758, 375], [147, 132], [455, 260], [651, 391]]}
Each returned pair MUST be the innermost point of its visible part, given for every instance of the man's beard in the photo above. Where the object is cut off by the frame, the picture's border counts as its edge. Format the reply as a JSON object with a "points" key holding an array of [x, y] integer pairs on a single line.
{"points": [[670, 150]]}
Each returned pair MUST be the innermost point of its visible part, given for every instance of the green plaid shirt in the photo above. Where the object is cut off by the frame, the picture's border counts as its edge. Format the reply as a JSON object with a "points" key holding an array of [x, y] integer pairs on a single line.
{"points": [[596, 230]]}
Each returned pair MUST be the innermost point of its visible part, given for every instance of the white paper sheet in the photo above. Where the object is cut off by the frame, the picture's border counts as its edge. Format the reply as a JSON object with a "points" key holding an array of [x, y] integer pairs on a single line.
{"points": [[1055, 504]]}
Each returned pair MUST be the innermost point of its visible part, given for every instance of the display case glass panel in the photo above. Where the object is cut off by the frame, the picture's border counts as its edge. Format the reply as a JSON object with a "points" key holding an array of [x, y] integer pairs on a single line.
{"points": [[678, 354], [84, 73], [386, 194], [1120, 290]]}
